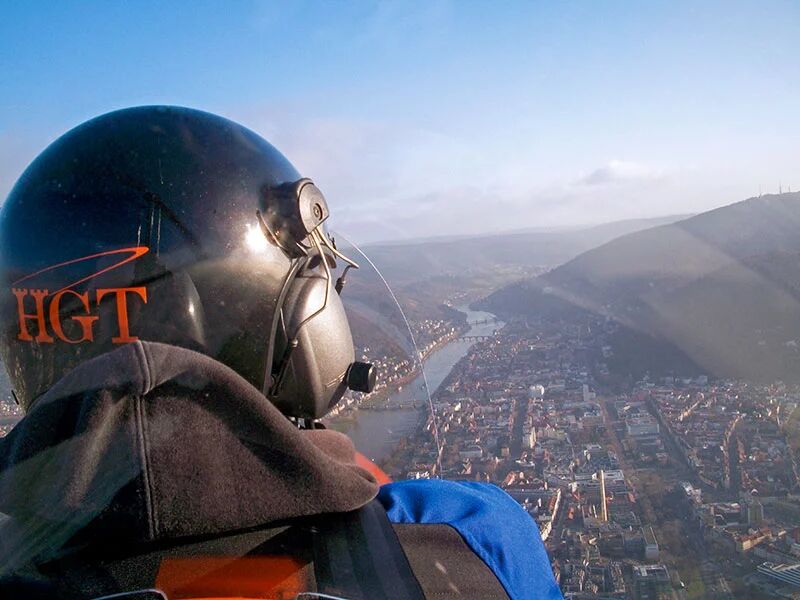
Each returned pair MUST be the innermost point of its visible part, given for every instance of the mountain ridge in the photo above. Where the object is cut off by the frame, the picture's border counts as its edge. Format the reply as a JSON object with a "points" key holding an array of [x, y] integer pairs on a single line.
{"points": [[723, 287]]}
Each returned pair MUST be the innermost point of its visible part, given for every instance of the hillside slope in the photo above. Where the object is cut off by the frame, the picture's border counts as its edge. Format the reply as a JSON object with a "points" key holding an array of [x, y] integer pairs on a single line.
{"points": [[722, 287]]}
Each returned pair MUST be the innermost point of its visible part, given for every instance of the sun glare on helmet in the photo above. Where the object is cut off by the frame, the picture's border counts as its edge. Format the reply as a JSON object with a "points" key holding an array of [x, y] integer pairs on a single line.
{"points": [[255, 240]]}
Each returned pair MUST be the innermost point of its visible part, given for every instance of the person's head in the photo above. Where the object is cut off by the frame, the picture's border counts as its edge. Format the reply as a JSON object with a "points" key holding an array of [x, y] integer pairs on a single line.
{"points": [[173, 225]]}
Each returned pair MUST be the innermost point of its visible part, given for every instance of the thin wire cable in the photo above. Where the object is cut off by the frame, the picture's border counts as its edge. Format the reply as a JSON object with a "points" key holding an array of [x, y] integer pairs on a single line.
{"points": [[329, 245], [296, 266], [416, 351], [328, 279]]}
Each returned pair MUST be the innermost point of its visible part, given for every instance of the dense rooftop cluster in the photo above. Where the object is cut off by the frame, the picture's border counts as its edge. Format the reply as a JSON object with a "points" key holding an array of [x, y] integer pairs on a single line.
{"points": [[609, 469]]}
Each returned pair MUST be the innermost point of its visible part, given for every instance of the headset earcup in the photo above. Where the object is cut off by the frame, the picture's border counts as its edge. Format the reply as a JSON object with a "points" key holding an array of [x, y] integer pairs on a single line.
{"points": [[312, 356]]}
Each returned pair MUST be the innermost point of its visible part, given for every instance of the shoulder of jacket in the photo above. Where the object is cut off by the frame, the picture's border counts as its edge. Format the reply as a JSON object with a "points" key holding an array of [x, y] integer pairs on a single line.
{"points": [[493, 525]]}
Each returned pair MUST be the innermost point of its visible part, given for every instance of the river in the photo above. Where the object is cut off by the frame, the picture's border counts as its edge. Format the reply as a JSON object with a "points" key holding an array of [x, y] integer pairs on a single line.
{"points": [[375, 433]]}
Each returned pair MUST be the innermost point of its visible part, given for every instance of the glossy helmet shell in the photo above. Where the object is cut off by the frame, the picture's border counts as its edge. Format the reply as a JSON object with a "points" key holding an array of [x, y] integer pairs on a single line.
{"points": [[143, 224]]}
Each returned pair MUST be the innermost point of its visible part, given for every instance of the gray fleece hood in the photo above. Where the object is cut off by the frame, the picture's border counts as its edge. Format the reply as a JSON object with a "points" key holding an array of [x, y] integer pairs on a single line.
{"points": [[155, 442]]}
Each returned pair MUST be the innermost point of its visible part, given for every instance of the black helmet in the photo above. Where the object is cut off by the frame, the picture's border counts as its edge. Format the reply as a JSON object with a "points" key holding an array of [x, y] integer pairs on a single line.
{"points": [[178, 226]]}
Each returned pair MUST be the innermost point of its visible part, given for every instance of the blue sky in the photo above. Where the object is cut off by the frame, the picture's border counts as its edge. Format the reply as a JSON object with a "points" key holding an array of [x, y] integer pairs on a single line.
{"points": [[432, 118]]}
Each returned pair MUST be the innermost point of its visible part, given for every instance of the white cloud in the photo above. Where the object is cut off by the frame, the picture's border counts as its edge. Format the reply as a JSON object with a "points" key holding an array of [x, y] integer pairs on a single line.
{"points": [[390, 180], [620, 171], [377, 175]]}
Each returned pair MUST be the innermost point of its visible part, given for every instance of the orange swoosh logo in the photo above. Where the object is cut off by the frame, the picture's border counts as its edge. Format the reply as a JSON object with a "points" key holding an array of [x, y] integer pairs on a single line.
{"points": [[132, 253]]}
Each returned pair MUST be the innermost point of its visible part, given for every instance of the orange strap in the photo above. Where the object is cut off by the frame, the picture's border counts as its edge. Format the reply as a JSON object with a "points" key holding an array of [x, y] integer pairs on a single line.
{"points": [[214, 578]]}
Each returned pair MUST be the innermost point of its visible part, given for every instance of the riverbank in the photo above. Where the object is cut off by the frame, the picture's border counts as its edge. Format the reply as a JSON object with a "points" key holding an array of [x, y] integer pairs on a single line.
{"points": [[378, 433], [382, 399]]}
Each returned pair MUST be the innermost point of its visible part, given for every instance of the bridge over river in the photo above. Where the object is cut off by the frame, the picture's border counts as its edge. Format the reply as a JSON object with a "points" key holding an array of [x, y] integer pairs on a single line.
{"points": [[485, 321], [471, 337]]}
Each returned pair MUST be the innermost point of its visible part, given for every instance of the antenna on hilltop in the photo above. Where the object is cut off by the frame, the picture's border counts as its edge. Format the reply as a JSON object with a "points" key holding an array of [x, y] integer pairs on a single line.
{"points": [[759, 190], [780, 187]]}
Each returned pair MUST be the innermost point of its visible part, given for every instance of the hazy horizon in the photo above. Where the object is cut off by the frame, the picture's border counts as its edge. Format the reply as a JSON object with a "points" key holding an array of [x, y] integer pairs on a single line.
{"points": [[523, 231]]}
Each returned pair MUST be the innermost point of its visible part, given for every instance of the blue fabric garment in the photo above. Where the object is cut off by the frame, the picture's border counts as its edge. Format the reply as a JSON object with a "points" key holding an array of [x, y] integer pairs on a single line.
{"points": [[492, 524]]}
